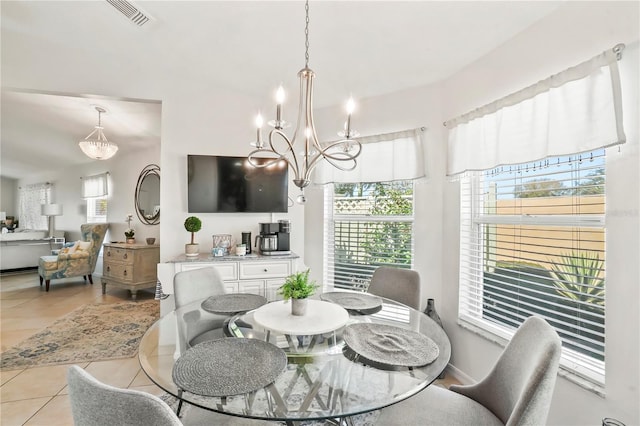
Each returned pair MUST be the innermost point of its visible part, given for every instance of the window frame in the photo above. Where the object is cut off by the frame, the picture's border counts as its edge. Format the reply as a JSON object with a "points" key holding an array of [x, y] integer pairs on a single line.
{"points": [[578, 367], [331, 218]]}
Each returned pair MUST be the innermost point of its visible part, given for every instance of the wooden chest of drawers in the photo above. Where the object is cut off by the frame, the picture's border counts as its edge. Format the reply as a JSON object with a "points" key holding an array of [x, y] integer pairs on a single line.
{"points": [[130, 266]]}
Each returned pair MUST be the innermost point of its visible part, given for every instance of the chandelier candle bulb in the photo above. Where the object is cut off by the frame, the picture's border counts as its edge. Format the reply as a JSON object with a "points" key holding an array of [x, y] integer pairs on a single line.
{"points": [[279, 102], [351, 105], [259, 123]]}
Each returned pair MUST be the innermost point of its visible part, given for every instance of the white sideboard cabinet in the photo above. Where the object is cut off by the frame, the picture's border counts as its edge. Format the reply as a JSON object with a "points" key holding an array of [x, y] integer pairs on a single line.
{"points": [[252, 273]]}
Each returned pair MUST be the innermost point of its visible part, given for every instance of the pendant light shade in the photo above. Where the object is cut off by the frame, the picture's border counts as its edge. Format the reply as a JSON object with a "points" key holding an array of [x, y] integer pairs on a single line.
{"points": [[96, 145]]}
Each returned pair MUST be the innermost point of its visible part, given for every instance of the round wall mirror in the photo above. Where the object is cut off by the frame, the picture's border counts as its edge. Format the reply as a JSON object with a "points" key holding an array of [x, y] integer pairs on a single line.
{"points": [[147, 198]]}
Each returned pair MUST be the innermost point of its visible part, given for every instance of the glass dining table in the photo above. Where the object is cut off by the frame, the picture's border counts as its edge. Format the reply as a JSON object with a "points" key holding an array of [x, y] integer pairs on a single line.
{"points": [[324, 372]]}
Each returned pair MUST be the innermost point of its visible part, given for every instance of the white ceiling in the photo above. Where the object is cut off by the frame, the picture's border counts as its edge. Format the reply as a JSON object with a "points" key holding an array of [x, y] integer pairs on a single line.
{"points": [[356, 47]]}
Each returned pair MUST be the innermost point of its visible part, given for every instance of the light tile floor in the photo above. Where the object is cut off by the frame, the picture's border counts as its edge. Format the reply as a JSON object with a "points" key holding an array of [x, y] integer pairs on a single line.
{"points": [[38, 396]]}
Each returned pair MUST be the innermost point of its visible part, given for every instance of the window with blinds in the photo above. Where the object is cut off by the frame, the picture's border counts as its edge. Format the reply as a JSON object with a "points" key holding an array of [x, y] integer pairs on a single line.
{"points": [[533, 243], [368, 225], [97, 210], [95, 189]]}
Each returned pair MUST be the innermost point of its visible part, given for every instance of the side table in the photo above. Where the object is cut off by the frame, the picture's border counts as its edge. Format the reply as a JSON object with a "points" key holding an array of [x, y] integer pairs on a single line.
{"points": [[130, 266]]}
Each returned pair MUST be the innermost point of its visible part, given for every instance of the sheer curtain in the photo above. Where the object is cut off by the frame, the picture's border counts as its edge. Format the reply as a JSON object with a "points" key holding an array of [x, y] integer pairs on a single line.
{"points": [[95, 186], [384, 158], [31, 197], [577, 110]]}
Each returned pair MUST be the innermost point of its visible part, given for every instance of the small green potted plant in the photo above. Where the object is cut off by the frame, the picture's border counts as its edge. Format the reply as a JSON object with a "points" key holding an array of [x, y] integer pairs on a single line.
{"points": [[298, 288], [192, 224]]}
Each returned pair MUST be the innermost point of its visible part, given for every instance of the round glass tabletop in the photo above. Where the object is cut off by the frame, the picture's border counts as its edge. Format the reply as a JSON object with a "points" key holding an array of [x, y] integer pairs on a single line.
{"points": [[320, 381]]}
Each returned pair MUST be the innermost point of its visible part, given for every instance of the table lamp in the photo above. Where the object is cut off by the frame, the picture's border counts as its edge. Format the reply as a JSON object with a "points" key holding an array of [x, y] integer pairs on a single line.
{"points": [[51, 210]]}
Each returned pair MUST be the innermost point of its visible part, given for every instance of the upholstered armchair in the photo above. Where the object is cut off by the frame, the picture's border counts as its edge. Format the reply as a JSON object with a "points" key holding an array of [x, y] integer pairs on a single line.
{"points": [[78, 260]]}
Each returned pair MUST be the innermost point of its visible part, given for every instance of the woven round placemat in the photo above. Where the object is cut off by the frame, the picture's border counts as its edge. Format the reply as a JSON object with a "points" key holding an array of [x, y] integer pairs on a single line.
{"points": [[229, 366], [389, 346], [355, 302], [233, 303]]}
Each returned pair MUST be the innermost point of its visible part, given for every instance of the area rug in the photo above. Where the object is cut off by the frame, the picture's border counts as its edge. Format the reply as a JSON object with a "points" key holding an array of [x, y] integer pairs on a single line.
{"points": [[90, 333]]}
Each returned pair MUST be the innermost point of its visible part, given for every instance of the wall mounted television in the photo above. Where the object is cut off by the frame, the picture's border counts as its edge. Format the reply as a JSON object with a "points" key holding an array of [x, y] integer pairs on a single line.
{"points": [[219, 184]]}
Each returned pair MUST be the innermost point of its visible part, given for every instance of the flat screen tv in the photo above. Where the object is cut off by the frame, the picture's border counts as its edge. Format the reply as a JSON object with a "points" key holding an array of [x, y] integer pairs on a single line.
{"points": [[218, 184]]}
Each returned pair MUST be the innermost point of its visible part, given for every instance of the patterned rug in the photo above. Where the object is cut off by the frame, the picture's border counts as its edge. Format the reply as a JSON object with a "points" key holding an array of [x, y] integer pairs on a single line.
{"points": [[90, 333]]}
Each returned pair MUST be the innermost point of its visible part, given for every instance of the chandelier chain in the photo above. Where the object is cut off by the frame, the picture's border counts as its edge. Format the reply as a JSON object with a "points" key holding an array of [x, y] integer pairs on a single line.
{"points": [[306, 35]]}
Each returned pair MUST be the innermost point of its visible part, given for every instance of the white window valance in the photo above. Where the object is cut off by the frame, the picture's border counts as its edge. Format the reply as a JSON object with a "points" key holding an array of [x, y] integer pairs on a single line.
{"points": [[577, 110], [95, 186], [384, 158]]}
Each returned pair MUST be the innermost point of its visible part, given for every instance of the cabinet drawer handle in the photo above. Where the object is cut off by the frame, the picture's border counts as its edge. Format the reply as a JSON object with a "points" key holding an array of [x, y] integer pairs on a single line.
{"points": [[125, 256], [125, 273], [108, 268], [266, 270], [109, 254]]}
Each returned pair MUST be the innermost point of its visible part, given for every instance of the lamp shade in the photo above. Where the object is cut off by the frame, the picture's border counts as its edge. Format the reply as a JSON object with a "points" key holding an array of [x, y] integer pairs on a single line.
{"points": [[51, 209]]}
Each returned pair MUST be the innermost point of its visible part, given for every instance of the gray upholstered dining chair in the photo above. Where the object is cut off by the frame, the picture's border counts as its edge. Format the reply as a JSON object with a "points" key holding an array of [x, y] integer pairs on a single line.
{"points": [[190, 286], [195, 284], [517, 391], [401, 285], [94, 403]]}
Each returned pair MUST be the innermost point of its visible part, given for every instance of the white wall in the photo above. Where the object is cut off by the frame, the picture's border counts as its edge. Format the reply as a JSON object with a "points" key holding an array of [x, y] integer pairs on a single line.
{"points": [[569, 36], [8, 198], [124, 171], [401, 111], [544, 49], [200, 119], [197, 118]]}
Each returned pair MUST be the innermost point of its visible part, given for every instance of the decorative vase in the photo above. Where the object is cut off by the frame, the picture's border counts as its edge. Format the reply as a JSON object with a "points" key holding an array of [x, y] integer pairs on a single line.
{"points": [[298, 307], [433, 314], [192, 250], [131, 240]]}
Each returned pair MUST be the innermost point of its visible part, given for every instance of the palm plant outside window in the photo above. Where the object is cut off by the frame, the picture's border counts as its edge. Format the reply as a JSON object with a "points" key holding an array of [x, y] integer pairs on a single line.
{"points": [[368, 225]]}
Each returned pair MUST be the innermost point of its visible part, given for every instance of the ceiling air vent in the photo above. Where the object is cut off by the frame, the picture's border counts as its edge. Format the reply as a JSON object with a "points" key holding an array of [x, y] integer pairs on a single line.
{"points": [[132, 13]]}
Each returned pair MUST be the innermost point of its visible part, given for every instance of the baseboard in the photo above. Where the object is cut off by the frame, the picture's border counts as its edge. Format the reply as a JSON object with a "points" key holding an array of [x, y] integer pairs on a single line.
{"points": [[459, 375], [17, 271]]}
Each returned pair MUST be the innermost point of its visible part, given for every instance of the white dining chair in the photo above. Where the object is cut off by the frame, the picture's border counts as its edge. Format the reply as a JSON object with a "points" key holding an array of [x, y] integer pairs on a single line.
{"points": [[517, 391], [401, 285], [94, 403]]}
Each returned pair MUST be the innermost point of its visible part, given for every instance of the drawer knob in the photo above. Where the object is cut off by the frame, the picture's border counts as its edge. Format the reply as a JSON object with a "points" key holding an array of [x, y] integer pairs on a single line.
{"points": [[108, 268], [109, 254], [266, 270], [125, 273], [125, 256]]}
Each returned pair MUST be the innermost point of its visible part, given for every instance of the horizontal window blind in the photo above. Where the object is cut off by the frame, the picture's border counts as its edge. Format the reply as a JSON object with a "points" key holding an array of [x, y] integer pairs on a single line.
{"points": [[97, 210], [368, 225], [533, 243]]}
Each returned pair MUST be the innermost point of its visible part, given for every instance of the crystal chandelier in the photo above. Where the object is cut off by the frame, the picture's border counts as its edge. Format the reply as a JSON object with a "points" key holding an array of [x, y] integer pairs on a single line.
{"points": [[340, 154], [98, 147]]}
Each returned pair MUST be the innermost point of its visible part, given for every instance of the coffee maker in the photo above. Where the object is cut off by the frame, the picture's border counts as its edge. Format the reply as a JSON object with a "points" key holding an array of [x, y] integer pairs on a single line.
{"points": [[274, 238]]}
